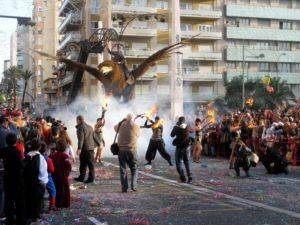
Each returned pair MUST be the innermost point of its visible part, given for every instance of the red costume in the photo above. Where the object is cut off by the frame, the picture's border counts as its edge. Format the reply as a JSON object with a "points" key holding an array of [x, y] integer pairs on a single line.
{"points": [[62, 167]]}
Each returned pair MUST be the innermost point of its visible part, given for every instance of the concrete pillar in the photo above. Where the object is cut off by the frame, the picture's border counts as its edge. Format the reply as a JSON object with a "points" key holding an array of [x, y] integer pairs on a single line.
{"points": [[175, 62], [105, 17]]}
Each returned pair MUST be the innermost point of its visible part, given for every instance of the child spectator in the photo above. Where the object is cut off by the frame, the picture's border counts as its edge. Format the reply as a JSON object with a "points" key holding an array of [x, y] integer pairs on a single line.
{"points": [[62, 167]]}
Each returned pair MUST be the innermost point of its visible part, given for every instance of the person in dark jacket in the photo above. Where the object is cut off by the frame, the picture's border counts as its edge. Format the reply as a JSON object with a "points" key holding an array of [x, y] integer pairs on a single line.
{"points": [[13, 182], [181, 133], [35, 180], [156, 141], [86, 146], [242, 153], [273, 161]]}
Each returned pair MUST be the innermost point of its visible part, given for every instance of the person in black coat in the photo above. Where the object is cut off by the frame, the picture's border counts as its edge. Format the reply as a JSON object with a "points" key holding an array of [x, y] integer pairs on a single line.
{"points": [[181, 133], [13, 182], [273, 161]]}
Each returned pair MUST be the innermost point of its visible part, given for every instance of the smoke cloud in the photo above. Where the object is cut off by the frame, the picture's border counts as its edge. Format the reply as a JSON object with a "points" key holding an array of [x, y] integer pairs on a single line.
{"points": [[92, 109]]}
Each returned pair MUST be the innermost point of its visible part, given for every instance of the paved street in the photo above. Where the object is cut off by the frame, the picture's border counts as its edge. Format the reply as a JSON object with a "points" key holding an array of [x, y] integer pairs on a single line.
{"points": [[216, 197]]}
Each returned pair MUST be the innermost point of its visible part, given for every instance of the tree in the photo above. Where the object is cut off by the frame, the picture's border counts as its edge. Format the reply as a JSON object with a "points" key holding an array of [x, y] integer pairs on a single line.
{"points": [[11, 76], [257, 90], [25, 75]]}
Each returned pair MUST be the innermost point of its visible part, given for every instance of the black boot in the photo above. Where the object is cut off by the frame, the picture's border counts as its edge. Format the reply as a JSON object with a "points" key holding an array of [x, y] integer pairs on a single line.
{"points": [[170, 162], [79, 179]]}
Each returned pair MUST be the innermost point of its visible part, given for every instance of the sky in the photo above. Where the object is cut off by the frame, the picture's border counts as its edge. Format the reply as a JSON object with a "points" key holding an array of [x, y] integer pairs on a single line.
{"points": [[8, 26]]}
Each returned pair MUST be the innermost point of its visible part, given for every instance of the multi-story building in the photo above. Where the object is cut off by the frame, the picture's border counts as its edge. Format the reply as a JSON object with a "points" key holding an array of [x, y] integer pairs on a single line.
{"points": [[79, 19], [45, 38], [13, 49], [267, 33], [200, 75], [6, 64]]}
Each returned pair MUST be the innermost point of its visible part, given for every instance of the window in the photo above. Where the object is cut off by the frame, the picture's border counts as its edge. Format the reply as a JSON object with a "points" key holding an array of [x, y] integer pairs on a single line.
{"points": [[186, 6], [296, 68], [262, 45], [284, 25], [243, 22], [231, 65], [162, 5], [231, 43], [245, 1], [40, 31], [286, 3], [284, 46], [263, 67], [264, 2], [284, 67], [186, 27], [205, 28], [94, 25], [39, 9], [264, 23], [140, 3]]}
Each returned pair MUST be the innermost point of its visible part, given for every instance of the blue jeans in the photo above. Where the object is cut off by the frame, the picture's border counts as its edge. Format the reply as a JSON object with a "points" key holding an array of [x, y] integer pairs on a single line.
{"points": [[128, 158]]}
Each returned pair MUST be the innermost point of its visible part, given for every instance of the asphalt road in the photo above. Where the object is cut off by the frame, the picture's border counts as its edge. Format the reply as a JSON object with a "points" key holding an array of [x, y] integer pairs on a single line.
{"points": [[216, 197]]}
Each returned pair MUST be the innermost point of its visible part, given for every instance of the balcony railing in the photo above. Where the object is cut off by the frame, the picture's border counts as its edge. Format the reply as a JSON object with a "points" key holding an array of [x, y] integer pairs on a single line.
{"points": [[257, 33], [202, 55], [289, 77], [139, 31], [201, 13], [236, 54], [212, 33], [138, 53], [73, 18], [68, 5], [199, 97], [72, 36], [129, 9], [201, 76]]}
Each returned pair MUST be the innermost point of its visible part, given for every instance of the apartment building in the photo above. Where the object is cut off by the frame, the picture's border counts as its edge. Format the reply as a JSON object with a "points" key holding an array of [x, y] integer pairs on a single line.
{"points": [[78, 21], [45, 38], [269, 32], [13, 49], [199, 64]]}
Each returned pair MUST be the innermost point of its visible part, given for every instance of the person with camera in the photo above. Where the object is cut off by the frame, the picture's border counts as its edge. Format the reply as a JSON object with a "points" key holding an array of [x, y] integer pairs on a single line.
{"points": [[86, 146], [127, 145]]}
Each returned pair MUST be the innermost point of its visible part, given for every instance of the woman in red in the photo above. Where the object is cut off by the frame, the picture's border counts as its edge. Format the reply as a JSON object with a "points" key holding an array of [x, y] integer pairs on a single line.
{"points": [[62, 167]]}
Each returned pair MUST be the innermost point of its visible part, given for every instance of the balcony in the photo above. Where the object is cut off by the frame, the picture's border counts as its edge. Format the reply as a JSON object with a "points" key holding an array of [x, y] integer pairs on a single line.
{"points": [[68, 5], [254, 33], [202, 76], [209, 13], [70, 37], [66, 80], [199, 98], [72, 21], [137, 53], [199, 55], [202, 34], [236, 54], [290, 78], [132, 9], [265, 12], [139, 32]]}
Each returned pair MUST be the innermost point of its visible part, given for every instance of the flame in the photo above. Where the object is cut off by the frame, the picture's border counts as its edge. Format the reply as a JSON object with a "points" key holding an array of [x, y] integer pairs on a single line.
{"points": [[105, 102], [249, 101], [211, 115], [158, 124], [152, 112]]}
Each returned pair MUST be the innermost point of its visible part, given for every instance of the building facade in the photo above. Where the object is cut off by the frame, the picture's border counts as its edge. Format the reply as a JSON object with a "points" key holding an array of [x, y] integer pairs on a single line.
{"points": [[13, 49], [263, 33], [45, 38], [267, 33]]}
